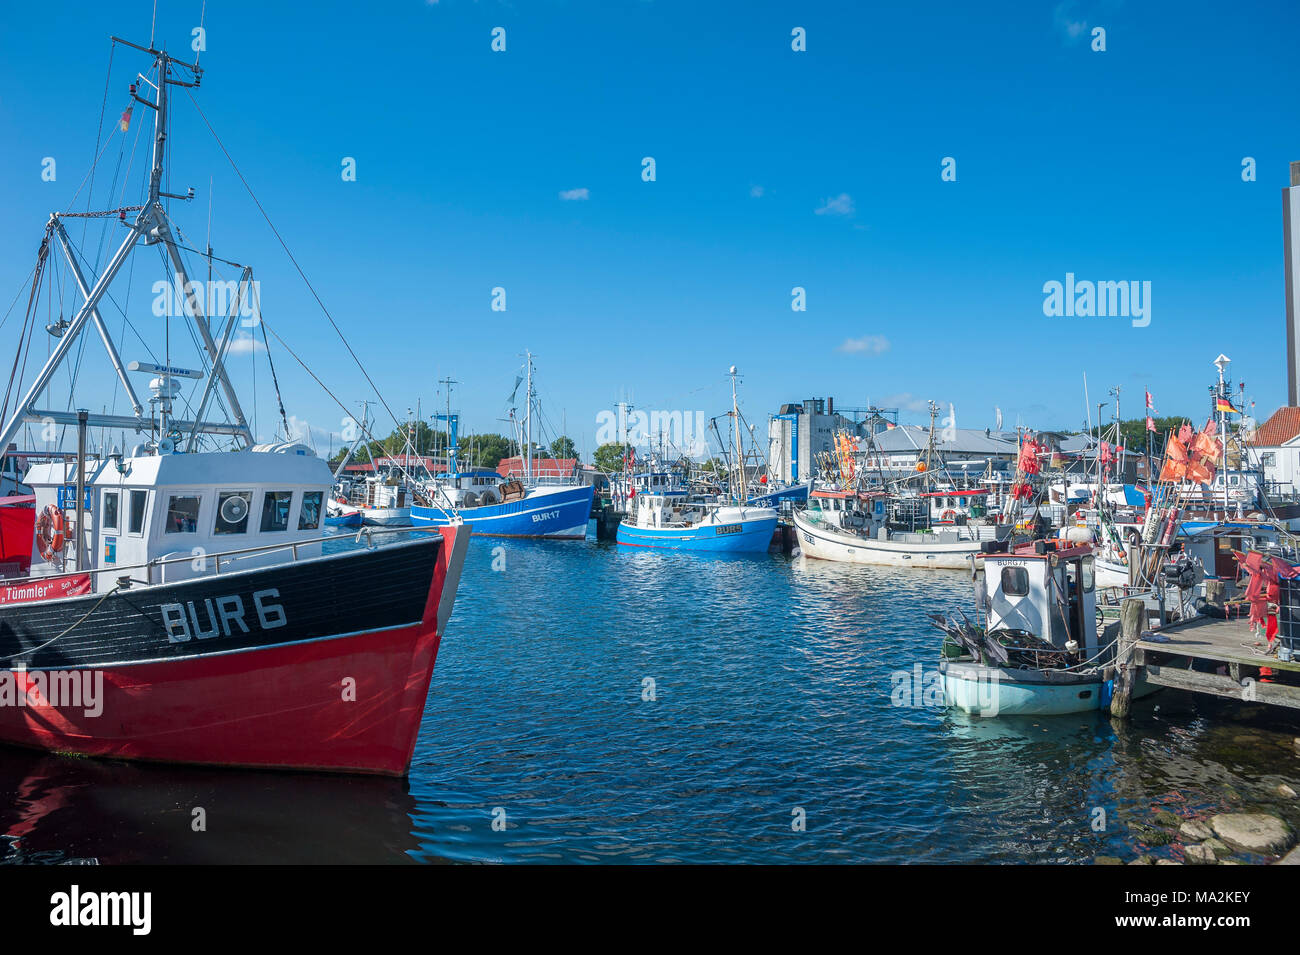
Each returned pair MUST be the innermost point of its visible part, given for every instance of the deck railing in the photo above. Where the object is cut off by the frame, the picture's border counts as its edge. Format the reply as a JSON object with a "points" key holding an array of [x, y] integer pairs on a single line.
{"points": [[122, 570]]}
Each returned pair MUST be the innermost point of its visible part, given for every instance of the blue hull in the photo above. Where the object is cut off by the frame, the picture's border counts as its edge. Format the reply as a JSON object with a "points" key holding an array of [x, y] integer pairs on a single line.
{"points": [[748, 537], [559, 512], [795, 495], [350, 520]]}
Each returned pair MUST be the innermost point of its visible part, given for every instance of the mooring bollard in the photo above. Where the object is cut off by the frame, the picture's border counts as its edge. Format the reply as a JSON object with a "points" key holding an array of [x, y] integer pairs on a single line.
{"points": [[1132, 615]]}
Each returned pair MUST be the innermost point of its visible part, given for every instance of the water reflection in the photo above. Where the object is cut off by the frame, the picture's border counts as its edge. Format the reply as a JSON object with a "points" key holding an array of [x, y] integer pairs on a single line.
{"points": [[65, 809]]}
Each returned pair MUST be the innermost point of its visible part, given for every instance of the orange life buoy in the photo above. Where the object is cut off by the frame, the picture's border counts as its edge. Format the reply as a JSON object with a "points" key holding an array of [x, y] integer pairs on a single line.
{"points": [[49, 532], [948, 515]]}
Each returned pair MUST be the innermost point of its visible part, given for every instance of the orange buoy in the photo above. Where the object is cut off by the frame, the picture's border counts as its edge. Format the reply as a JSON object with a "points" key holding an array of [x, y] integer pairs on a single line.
{"points": [[49, 532]]}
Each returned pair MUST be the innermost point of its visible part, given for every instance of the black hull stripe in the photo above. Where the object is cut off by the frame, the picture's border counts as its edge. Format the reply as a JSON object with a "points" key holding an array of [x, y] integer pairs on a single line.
{"points": [[348, 593]]}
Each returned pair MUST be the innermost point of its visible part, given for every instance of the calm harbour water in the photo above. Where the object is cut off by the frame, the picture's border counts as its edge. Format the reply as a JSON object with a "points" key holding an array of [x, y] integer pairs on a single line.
{"points": [[772, 693]]}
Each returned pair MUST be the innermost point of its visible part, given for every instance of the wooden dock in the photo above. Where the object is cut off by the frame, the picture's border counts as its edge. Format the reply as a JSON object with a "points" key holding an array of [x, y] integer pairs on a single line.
{"points": [[1202, 654]]}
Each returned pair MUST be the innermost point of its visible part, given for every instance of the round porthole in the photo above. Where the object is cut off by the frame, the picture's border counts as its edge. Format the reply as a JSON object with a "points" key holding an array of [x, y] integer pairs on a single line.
{"points": [[234, 510]]}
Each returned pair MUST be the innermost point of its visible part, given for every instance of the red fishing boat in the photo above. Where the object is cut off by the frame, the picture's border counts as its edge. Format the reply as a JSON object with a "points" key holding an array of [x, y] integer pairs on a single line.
{"points": [[181, 602]]}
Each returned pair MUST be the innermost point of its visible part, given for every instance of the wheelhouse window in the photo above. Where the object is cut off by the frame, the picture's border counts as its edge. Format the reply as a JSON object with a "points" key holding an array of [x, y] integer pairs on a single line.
{"points": [[232, 512], [1089, 579], [182, 514], [1015, 581], [275, 511], [110, 517], [138, 501], [309, 515]]}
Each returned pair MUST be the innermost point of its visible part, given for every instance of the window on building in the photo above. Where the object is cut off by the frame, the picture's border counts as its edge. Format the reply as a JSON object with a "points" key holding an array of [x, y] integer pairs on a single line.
{"points": [[309, 516], [232, 512], [109, 520], [275, 511], [1015, 581], [182, 514], [1268, 459], [138, 501]]}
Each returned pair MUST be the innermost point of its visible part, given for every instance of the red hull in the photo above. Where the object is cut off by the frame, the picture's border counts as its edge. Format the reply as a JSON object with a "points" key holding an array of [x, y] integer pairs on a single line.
{"points": [[287, 707]]}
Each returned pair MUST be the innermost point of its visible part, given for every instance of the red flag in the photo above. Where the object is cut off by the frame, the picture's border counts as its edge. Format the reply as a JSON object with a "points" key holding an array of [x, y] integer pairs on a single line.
{"points": [[125, 122], [1150, 406], [1151, 425]]}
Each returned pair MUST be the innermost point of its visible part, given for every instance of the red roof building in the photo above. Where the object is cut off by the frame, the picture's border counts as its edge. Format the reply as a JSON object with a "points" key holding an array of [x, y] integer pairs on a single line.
{"points": [[542, 467]]}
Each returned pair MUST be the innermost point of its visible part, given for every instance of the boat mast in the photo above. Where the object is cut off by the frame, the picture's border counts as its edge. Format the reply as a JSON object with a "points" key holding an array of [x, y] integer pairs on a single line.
{"points": [[740, 461], [1221, 363], [151, 224], [528, 420]]}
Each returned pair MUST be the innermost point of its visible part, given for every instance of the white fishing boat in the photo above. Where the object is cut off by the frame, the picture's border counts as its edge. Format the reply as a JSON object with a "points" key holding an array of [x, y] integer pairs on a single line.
{"points": [[1037, 651], [852, 526]]}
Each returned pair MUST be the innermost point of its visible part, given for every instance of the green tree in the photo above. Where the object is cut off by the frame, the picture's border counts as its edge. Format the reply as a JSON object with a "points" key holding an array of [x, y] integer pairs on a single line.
{"points": [[487, 450], [562, 447], [1133, 432], [609, 457]]}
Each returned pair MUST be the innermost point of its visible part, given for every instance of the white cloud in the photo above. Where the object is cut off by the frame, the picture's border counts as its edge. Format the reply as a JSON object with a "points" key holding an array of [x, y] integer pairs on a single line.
{"points": [[756, 192], [1067, 20], [867, 344], [841, 205], [569, 195], [244, 344], [904, 401]]}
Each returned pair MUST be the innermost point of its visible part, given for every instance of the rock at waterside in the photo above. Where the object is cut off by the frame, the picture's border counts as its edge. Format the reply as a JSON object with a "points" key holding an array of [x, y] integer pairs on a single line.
{"points": [[1252, 831], [1200, 855], [1218, 846], [1195, 831]]}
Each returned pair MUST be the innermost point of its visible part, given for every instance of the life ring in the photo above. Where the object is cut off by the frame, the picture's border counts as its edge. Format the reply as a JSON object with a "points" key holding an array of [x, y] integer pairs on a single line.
{"points": [[49, 532], [948, 515]]}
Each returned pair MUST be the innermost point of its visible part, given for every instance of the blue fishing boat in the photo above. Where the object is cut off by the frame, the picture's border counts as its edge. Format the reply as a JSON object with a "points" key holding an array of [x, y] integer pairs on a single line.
{"points": [[551, 507], [508, 509], [339, 513], [676, 521]]}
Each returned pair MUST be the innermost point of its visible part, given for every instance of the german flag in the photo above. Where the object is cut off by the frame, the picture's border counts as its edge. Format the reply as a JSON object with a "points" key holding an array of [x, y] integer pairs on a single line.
{"points": [[1224, 405]]}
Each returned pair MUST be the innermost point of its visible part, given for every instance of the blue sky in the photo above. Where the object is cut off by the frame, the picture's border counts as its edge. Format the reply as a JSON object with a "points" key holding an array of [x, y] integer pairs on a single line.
{"points": [[1116, 165]]}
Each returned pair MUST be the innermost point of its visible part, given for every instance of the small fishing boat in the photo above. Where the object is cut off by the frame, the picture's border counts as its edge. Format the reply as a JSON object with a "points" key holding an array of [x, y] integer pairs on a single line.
{"points": [[1037, 651], [339, 513], [674, 519], [384, 503], [852, 526]]}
